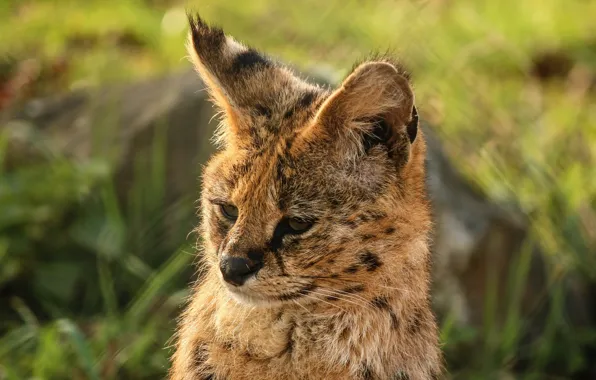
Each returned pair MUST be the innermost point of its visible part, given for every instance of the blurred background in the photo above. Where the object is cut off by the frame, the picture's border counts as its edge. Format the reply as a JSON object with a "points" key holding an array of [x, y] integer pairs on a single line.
{"points": [[103, 128]]}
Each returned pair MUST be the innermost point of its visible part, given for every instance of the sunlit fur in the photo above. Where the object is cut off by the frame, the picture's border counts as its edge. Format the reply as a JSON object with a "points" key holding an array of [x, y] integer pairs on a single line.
{"points": [[348, 298]]}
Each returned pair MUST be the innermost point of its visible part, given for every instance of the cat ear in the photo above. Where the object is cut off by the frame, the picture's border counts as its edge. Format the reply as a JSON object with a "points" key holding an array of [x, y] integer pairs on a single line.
{"points": [[376, 103], [246, 85]]}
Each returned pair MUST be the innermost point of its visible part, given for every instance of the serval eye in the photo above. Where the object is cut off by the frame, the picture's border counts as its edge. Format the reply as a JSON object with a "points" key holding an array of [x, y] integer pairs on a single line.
{"points": [[299, 225], [229, 211]]}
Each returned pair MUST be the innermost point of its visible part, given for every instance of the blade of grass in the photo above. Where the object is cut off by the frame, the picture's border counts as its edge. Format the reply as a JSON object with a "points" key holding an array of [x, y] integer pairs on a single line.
{"points": [[15, 339], [512, 331], [154, 285], [106, 284], [80, 345], [490, 328]]}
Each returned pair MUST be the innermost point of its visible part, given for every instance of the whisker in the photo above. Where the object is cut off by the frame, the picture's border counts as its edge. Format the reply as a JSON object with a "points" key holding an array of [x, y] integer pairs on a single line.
{"points": [[328, 278], [352, 295], [302, 306], [311, 296], [340, 297], [337, 292], [394, 288], [351, 298]]}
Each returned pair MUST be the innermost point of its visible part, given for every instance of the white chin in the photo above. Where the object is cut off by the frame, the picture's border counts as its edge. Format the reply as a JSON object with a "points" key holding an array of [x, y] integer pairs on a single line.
{"points": [[249, 300]]}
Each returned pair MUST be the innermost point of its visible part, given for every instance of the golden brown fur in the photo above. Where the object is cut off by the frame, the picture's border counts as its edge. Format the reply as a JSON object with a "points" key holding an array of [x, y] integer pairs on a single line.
{"points": [[348, 298]]}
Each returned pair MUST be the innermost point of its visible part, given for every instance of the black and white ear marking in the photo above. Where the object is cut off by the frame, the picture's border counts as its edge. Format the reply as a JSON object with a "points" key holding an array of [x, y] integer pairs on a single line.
{"points": [[250, 88], [412, 126]]}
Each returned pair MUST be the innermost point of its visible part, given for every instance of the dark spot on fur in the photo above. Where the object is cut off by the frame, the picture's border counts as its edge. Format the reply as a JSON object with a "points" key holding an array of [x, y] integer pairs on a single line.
{"points": [[334, 275], [289, 113], [382, 303], [249, 60], [280, 262], [297, 294], [227, 345], [366, 237], [331, 325], [354, 289], [248, 354], [291, 244], [365, 372], [201, 353], [303, 103], [377, 215], [350, 223], [239, 170], [289, 142], [389, 230], [400, 375], [363, 218], [394, 320], [307, 99], [289, 346], [351, 269], [289, 340], [336, 250], [261, 110], [415, 322], [320, 237], [334, 202], [331, 261], [283, 162], [345, 333], [332, 298], [370, 261], [256, 138]]}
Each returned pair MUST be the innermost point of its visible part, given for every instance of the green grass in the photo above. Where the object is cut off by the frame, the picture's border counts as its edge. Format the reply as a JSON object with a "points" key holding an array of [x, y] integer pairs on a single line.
{"points": [[523, 140]]}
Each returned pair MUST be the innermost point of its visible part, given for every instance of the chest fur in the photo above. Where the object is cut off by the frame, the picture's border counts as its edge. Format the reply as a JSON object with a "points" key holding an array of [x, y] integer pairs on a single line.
{"points": [[221, 339], [289, 344]]}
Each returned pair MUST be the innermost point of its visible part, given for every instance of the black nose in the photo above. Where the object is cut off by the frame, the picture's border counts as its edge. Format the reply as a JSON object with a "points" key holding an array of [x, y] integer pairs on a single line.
{"points": [[236, 270]]}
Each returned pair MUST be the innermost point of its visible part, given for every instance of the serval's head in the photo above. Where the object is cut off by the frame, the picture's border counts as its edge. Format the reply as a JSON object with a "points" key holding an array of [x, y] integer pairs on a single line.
{"points": [[314, 195]]}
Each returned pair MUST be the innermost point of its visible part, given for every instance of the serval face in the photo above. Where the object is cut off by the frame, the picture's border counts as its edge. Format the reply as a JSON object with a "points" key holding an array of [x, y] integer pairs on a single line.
{"points": [[314, 193]]}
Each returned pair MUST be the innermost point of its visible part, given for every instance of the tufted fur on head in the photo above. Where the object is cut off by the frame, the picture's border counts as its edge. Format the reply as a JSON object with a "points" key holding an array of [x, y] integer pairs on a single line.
{"points": [[320, 195]]}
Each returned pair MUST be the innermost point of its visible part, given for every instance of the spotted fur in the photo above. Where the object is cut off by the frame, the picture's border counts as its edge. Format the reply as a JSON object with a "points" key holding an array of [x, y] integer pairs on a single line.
{"points": [[348, 297]]}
